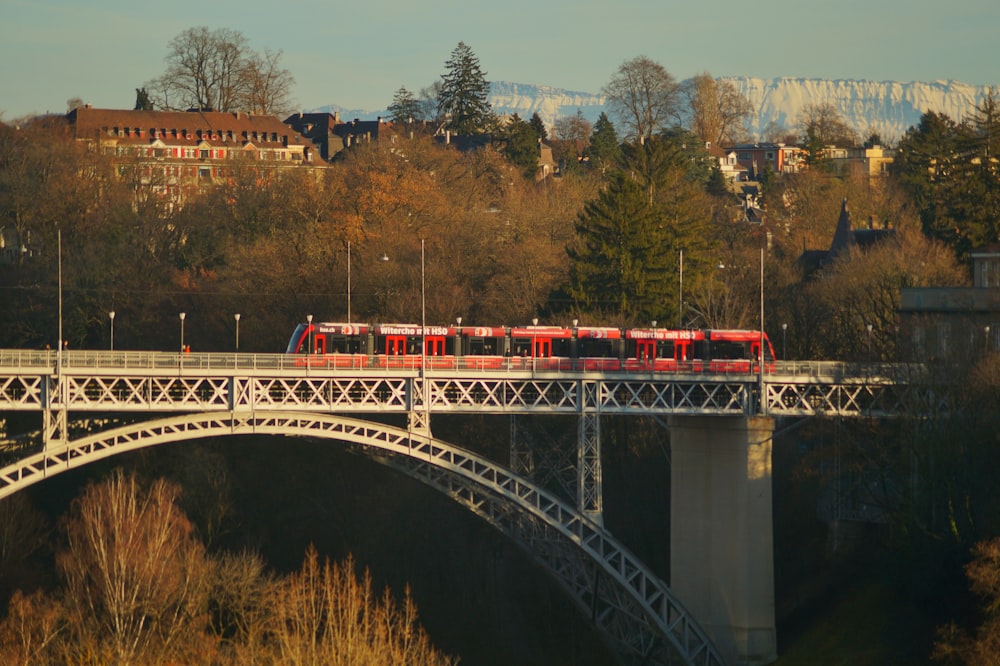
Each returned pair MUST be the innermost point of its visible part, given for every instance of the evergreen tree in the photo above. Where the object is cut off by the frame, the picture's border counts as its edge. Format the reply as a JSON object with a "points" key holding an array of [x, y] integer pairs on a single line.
{"points": [[521, 145], [951, 171], [605, 150], [628, 240], [405, 107], [976, 199], [538, 125], [463, 94], [618, 267]]}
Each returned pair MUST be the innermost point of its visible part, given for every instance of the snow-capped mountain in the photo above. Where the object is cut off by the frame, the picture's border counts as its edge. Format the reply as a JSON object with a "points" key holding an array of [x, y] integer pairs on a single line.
{"points": [[887, 107]]}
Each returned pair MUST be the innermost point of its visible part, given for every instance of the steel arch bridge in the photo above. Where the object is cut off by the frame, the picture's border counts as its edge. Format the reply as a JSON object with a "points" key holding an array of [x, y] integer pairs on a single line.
{"points": [[632, 608], [216, 395]]}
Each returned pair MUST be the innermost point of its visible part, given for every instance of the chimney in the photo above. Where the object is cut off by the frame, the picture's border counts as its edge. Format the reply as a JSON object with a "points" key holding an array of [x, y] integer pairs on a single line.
{"points": [[336, 116]]}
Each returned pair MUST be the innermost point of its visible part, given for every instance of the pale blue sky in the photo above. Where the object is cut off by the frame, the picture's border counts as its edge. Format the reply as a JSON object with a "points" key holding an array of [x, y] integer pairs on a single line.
{"points": [[357, 54]]}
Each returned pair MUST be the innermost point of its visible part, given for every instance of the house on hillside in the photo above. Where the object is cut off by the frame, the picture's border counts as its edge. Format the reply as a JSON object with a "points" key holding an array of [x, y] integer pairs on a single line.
{"points": [[174, 154], [845, 239], [332, 135], [731, 169], [781, 158]]}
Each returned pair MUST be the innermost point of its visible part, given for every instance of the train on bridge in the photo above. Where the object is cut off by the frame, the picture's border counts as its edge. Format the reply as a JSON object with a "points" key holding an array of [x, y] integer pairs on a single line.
{"points": [[557, 348]]}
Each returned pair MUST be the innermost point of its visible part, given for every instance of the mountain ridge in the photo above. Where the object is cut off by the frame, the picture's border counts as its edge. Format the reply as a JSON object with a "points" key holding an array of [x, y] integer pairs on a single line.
{"points": [[886, 107]]}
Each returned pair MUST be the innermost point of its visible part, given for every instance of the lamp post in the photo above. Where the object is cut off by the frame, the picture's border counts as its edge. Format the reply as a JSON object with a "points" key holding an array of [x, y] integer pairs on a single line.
{"points": [[680, 293], [869, 327], [423, 314], [309, 329], [986, 336], [237, 318], [182, 316], [348, 282], [534, 322], [111, 316], [59, 343], [760, 349], [784, 330]]}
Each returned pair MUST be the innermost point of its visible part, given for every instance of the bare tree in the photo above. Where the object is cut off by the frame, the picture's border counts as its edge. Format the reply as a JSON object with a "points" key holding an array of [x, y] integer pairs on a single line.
{"points": [[572, 128], [268, 84], [136, 577], [644, 96], [718, 111], [32, 626], [217, 70], [823, 124], [324, 615]]}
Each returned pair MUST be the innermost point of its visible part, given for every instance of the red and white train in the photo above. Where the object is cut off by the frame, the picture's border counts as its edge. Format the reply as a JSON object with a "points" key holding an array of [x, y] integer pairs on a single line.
{"points": [[530, 347]]}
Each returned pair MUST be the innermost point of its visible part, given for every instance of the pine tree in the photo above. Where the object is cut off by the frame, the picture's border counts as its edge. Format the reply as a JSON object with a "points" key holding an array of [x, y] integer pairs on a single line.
{"points": [[521, 145], [538, 125], [629, 238], [405, 107], [604, 150], [463, 94], [617, 267]]}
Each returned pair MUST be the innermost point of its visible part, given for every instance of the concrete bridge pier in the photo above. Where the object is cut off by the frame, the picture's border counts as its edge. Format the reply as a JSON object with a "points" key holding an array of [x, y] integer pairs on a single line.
{"points": [[721, 531]]}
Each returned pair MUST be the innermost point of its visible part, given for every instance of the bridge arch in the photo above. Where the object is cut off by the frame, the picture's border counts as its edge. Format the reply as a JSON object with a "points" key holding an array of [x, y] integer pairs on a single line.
{"points": [[633, 609]]}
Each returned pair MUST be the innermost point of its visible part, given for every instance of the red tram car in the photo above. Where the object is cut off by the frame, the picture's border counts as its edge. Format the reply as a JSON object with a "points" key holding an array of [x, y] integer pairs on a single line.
{"points": [[549, 348]]}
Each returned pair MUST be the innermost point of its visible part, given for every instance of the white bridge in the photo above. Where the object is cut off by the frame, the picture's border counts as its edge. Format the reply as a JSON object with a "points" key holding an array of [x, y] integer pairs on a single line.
{"points": [[721, 428]]}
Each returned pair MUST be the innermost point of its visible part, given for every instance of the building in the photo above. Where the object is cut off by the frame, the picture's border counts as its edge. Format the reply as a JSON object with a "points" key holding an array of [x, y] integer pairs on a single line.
{"points": [[177, 153], [331, 135], [781, 158], [846, 238], [955, 322], [731, 169]]}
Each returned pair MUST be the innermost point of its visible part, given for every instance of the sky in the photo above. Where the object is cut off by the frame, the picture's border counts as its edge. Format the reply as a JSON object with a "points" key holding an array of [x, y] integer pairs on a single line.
{"points": [[358, 54]]}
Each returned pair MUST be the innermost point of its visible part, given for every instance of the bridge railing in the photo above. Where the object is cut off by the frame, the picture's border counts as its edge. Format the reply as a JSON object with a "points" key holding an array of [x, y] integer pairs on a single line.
{"points": [[19, 360]]}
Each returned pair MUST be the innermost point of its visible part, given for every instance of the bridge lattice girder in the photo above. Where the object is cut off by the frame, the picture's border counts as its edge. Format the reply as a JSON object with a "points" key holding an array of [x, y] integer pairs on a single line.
{"points": [[164, 391]]}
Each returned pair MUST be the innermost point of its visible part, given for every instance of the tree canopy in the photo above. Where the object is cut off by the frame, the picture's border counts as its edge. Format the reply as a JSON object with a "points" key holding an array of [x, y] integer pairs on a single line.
{"points": [[644, 96], [217, 70]]}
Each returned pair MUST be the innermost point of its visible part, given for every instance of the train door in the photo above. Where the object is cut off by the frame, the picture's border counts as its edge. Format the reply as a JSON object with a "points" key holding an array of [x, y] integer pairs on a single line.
{"points": [[319, 344], [645, 351], [395, 345], [434, 345], [542, 348]]}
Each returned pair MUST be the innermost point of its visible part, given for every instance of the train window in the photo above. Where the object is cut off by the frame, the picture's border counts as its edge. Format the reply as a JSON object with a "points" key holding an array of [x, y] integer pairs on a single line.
{"points": [[665, 349], [596, 348], [559, 347], [520, 346], [729, 350]]}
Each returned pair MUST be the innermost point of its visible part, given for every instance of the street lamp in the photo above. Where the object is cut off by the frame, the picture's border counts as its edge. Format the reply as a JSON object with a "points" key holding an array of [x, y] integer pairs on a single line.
{"points": [[423, 313], [182, 315], [680, 293], [237, 318], [986, 330], [111, 316], [869, 327], [534, 322], [309, 318], [784, 330], [348, 282]]}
